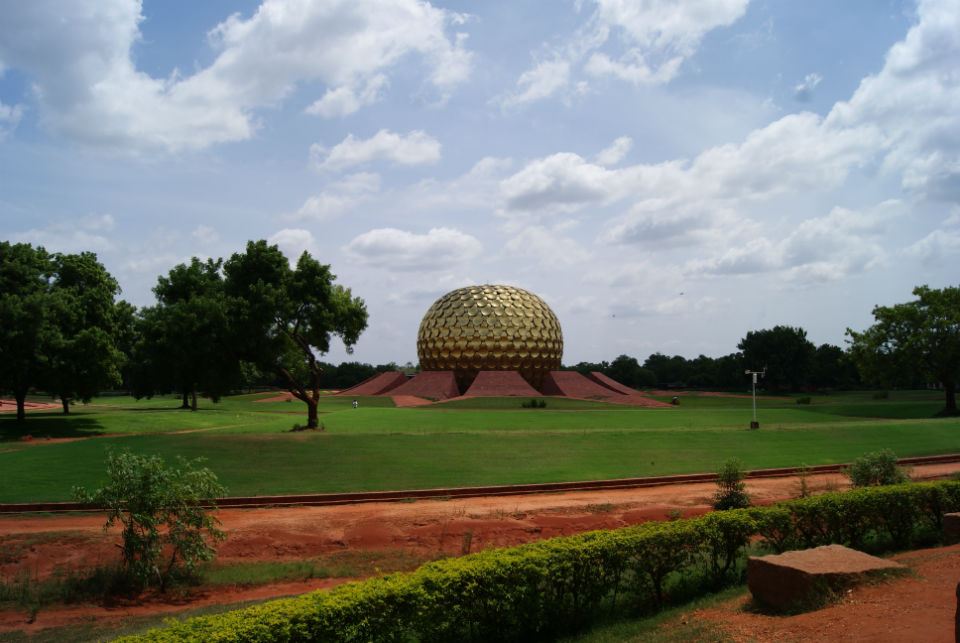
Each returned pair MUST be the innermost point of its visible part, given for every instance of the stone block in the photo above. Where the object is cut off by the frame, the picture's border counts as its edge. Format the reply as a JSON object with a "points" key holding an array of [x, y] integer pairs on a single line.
{"points": [[794, 577], [951, 528]]}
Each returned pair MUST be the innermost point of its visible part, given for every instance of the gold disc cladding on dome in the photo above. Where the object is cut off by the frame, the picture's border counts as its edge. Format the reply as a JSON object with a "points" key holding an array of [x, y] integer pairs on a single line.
{"points": [[490, 328]]}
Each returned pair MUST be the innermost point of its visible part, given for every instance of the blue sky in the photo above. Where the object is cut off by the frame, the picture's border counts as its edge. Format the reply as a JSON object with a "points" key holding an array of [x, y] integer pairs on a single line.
{"points": [[666, 175]]}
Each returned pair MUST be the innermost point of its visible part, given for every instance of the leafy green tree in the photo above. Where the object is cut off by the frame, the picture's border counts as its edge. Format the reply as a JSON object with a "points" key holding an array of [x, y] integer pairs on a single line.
{"points": [[60, 326], [23, 291], [731, 490], [921, 335], [784, 351], [833, 368], [184, 341], [83, 326], [627, 370], [280, 315], [875, 469], [159, 508], [670, 371]]}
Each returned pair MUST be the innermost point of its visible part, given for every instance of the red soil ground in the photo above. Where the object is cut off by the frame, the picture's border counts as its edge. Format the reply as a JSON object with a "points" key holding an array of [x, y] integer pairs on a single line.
{"points": [[41, 545]]}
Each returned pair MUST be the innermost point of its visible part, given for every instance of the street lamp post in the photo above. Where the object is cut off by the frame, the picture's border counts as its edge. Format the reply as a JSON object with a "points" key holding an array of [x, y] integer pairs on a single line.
{"points": [[754, 424]]}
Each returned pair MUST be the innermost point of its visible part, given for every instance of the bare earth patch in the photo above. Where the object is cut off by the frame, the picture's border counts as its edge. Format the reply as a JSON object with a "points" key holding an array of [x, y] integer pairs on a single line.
{"points": [[42, 545]]}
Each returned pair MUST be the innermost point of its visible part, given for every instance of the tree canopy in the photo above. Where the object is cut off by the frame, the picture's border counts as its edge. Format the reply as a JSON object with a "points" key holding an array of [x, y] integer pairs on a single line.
{"points": [[279, 315], [183, 341], [59, 324], [924, 334], [784, 351]]}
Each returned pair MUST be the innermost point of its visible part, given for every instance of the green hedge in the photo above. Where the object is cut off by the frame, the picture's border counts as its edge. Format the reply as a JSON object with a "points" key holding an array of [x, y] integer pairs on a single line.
{"points": [[538, 590]]}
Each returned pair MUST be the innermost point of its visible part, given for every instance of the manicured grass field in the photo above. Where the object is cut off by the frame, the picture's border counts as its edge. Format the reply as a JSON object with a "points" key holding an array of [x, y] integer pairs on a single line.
{"points": [[476, 442]]}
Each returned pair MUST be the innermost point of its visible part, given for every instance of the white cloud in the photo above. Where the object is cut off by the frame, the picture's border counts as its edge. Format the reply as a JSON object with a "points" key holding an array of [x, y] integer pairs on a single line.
{"points": [[644, 43], [72, 235], [339, 197], [841, 244], [915, 102], [344, 101], [402, 250], [10, 116], [205, 235], [416, 148], [546, 247], [79, 57], [803, 92], [939, 248], [293, 242], [616, 152], [544, 80]]}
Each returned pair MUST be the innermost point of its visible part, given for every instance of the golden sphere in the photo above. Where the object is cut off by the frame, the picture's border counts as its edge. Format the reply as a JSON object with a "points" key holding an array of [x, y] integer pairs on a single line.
{"points": [[490, 328]]}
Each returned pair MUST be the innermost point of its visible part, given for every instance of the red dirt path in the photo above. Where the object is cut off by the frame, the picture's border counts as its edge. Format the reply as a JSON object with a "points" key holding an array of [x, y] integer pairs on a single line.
{"points": [[428, 528]]}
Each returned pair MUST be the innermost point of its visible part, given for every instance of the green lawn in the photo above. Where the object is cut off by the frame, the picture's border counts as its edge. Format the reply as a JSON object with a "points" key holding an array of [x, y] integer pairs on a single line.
{"points": [[374, 448]]}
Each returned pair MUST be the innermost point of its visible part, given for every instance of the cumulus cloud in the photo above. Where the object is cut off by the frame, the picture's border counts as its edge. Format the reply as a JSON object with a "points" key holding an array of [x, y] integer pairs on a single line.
{"points": [[343, 101], [205, 235], [403, 250], [293, 242], [843, 243], [939, 248], [73, 235], [10, 116], [79, 57], [416, 148], [544, 80], [616, 152], [644, 43], [915, 102], [546, 247], [340, 197], [804, 91]]}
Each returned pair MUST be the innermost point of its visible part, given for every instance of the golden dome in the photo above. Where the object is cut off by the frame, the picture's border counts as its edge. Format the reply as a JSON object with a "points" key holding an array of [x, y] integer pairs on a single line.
{"points": [[490, 328]]}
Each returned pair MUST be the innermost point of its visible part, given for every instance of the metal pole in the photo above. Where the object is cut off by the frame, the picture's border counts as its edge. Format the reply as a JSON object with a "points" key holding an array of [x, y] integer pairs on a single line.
{"points": [[755, 399]]}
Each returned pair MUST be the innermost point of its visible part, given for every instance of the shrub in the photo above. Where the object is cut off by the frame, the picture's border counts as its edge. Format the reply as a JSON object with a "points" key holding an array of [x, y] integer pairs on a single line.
{"points": [[731, 492], [803, 400], [534, 403], [875, 469], [541, 590], [158, 507]]}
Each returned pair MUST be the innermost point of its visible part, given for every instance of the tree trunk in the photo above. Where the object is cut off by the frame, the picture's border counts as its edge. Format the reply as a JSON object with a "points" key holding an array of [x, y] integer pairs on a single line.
{"points": [[65, 401], [951, 390], [193, 397], [21, 397], [312, 421], [185, 396]]}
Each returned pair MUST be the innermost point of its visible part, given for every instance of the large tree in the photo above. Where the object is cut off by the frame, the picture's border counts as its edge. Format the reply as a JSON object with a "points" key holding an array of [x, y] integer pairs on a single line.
{"points": [[183, 342], [280, 315], [59, 324], [923, 335], [83, 324], [23, 291], [784, 351]]}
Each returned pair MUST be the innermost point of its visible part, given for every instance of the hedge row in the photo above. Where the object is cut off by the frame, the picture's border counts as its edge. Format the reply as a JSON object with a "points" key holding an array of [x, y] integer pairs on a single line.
{"points": [[538, 590]]}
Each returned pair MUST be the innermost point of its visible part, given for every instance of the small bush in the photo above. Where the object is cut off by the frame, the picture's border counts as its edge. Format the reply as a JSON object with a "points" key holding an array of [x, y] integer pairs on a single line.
{"points": [[534, 403], [881, 395], [161, 510], [731, 492], [803, 400], [875, 469]]}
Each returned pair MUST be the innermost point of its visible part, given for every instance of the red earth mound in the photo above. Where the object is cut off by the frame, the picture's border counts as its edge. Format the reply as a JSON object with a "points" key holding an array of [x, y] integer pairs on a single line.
{"points": [[573, 384], [500, 384], [378, 384], [436, 385]]}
